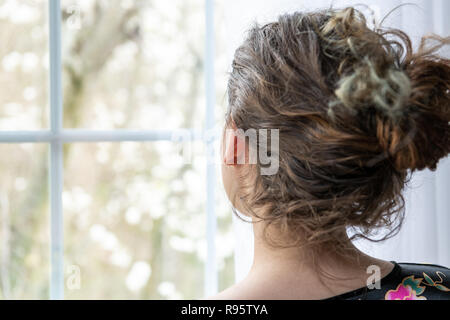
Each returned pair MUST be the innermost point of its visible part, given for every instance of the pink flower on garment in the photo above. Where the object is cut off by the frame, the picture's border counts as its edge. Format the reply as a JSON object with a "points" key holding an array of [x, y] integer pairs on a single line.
{"points": [[403, 293]]}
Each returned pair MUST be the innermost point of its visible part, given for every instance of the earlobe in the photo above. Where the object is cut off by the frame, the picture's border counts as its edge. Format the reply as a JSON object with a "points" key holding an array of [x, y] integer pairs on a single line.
{"points": [[229, 156], [234, 148]]}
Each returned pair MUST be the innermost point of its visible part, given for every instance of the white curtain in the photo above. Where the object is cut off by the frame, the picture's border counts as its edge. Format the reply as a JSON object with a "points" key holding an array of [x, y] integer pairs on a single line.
{"points": [[425, 236]]}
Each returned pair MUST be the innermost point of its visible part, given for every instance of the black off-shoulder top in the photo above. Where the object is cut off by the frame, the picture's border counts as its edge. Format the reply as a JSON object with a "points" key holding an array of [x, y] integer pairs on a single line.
{"points": [[407, 281]]}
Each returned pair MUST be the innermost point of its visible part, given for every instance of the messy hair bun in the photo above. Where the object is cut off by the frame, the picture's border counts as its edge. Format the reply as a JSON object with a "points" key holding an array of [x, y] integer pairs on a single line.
{"points": [[357, 111], [409, 91]]}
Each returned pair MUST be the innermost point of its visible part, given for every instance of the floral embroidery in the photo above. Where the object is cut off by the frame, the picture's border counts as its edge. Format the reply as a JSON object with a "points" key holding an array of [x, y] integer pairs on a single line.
{"points": [[437, 284], [414, 284], [409, 289]]}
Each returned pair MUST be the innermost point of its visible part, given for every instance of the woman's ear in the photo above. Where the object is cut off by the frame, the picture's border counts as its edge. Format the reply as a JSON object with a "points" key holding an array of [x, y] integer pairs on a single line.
{"points": [[234, 149]]}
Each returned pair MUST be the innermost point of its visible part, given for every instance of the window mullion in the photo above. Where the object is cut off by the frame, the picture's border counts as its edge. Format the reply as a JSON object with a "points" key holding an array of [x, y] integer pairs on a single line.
{"points": [[56, 154]]}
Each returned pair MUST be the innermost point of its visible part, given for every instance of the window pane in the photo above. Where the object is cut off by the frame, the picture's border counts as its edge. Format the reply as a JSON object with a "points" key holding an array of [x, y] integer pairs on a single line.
{"points": [[135, 221], [23, 64], [134, 64], [24, 222]]}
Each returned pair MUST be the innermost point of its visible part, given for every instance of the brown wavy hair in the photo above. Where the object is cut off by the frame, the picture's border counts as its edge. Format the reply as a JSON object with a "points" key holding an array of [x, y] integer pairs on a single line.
{"points": [[358, 110]]}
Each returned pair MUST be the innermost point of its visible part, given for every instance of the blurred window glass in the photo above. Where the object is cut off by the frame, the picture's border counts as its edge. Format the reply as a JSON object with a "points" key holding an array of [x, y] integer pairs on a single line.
{"points": [[134, 213]]}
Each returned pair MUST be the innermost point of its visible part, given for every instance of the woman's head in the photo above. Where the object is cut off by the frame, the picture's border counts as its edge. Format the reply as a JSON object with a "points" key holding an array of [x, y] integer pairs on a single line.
{"points": [[357, 110]]}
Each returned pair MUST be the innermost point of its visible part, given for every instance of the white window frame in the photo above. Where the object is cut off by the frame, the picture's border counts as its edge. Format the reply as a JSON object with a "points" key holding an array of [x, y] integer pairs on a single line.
{"points": [[57, 136]]}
